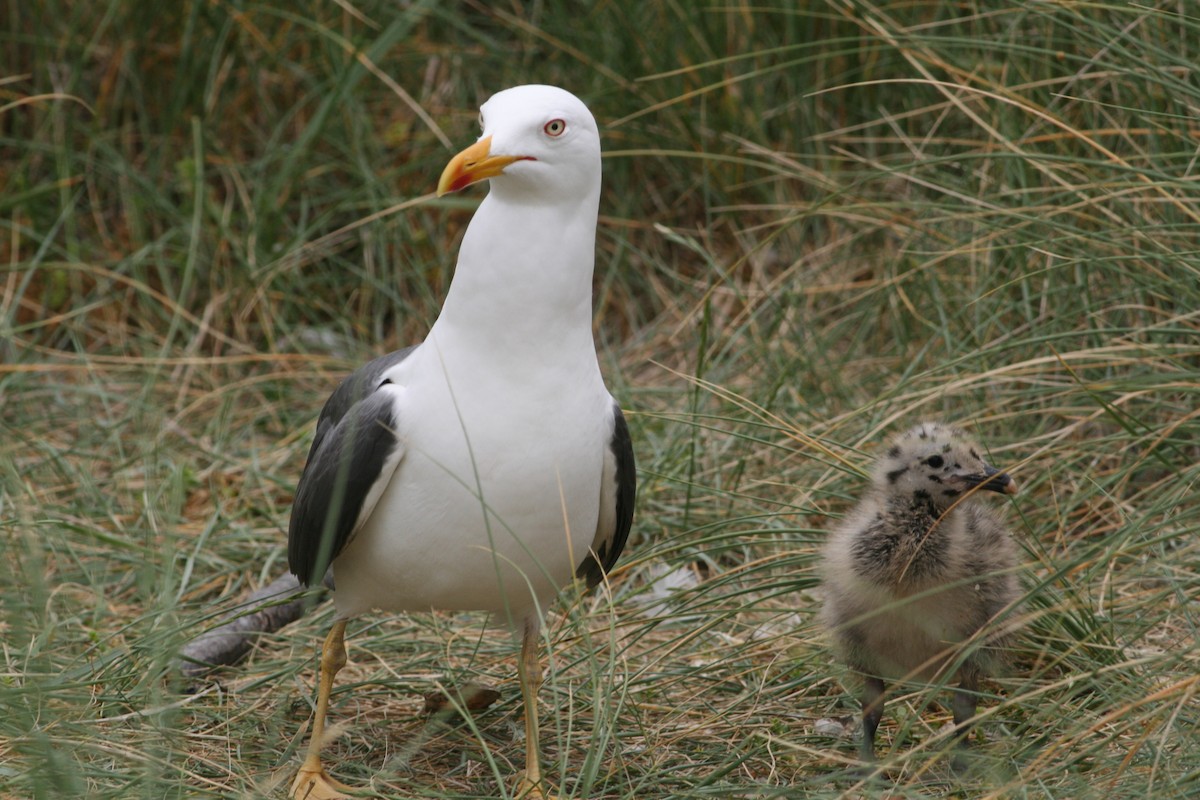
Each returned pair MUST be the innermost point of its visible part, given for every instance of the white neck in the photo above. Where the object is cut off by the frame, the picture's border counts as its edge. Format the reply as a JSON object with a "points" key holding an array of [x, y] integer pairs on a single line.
{"points": [[522, 289]]}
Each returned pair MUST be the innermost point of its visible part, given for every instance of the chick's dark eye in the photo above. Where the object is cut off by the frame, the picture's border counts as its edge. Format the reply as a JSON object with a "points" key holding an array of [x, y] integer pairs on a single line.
{"points": [[935, 462], [555, 127]]}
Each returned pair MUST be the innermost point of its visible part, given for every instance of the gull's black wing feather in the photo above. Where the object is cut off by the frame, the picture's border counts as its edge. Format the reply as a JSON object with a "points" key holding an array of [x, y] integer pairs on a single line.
{"points": [[617, 496], [352, 457]]}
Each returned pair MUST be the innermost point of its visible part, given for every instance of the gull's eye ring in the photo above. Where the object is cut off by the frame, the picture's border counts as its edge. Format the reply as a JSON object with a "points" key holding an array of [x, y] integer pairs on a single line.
{"points": [[555, 128], [480, 120]]}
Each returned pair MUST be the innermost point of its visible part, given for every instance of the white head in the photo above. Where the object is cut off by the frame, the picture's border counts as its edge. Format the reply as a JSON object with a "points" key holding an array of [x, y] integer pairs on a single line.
{"points": [[539, 144], [939, 461]]}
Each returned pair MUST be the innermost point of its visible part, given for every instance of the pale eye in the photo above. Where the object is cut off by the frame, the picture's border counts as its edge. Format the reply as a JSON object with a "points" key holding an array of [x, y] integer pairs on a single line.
{"points": [[555, 127], [481, 121]]}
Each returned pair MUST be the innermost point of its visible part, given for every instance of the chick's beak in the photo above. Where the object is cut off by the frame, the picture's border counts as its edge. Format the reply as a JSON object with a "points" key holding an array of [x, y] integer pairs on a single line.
{"points": [[474, 164], [994, 480]]}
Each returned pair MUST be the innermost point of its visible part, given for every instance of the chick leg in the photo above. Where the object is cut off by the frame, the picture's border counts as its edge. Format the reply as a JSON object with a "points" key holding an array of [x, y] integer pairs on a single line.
{"points": [[964, 704], [872, 713]]}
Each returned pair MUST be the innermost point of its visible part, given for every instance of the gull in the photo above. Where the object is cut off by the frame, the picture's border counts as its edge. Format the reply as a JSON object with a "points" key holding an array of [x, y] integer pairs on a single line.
{"points": [[488, 466], [919, 574]]}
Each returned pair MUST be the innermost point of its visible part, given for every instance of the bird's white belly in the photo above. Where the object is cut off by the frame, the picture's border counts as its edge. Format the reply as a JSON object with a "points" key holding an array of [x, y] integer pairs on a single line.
{"points": [[498, 525]]}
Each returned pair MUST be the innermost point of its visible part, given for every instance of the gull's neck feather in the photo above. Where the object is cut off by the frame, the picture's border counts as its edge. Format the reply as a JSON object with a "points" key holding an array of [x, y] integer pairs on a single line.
{"points": [[523, 283]]}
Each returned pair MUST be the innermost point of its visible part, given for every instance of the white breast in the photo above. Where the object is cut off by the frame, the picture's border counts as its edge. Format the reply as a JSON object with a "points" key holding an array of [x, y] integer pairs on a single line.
{"points": [[497, 498]]}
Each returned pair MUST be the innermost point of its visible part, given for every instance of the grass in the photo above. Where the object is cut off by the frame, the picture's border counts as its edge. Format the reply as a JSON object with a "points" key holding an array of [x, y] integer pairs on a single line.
{"points": [[818, 226]]}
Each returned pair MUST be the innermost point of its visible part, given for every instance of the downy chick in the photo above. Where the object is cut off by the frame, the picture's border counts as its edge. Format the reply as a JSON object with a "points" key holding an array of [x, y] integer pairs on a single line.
{"points": [[919, 569]]}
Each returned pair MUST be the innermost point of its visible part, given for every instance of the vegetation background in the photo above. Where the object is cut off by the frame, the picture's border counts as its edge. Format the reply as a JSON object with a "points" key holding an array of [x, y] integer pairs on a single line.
{"points": [[821, 222]]}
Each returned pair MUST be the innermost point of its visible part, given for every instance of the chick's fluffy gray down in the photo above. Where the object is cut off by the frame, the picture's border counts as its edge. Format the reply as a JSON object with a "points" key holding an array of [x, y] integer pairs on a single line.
{"points": [[921, 565]]}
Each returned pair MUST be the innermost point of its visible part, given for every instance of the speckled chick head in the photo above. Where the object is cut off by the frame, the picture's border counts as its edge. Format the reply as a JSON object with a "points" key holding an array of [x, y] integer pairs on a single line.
{"points": [[939, 461]]}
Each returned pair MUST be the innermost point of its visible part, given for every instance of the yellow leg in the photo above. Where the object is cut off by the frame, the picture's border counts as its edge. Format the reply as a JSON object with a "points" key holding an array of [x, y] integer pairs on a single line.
{"points": [[530, 674], [313, 783]]}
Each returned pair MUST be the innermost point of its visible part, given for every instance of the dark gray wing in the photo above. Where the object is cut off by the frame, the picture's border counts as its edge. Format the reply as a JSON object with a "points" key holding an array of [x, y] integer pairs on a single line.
{"points": [[617, 495], [354, 452]]}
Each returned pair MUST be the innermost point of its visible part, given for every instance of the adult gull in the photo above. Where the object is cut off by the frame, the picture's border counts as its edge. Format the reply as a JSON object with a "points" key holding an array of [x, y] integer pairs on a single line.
{"points": [[488, 466]]}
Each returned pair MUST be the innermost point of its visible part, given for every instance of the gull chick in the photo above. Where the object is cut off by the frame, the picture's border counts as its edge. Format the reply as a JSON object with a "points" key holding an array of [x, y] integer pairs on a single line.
{"points": [[917, 576]]}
